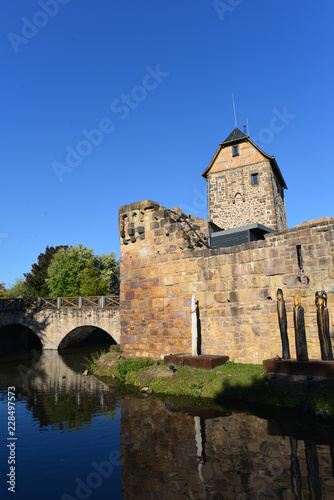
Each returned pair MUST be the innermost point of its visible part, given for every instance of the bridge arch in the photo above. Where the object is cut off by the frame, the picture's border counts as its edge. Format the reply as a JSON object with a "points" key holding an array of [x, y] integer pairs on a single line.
{"points": [[19, 337], [52, 325], [86, 335]]}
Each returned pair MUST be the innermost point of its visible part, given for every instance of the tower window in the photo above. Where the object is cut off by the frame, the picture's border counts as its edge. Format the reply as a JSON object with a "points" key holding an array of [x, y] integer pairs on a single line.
{"points": [[255, 179], [235, 150]]}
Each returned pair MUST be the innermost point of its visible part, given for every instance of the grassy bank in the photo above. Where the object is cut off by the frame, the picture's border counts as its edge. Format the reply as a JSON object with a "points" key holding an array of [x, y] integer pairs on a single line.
{"points": [[232, 382]]}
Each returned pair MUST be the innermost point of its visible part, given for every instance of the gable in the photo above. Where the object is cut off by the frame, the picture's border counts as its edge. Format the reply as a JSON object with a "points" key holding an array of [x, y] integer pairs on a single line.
{"points": [[225, 159], [249, 153]]}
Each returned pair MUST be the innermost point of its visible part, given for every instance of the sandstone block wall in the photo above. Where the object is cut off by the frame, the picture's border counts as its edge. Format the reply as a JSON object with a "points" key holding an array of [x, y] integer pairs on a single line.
{"points": [[233, 200], [279, 202], [162, 265]]}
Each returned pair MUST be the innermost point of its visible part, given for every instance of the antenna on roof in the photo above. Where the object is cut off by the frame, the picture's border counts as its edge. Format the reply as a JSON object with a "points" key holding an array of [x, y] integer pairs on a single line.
{"points": [[235, 116], [248, 127]]}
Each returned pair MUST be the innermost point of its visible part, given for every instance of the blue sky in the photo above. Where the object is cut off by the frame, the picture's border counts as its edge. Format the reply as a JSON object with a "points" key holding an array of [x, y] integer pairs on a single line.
{"points": [[156, 80]]}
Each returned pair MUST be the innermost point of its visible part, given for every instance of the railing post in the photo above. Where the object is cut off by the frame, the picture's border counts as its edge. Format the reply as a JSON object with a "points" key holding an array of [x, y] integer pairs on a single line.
{"points": [[58, 302], [38, 303], [80, 302], [102, 302]]}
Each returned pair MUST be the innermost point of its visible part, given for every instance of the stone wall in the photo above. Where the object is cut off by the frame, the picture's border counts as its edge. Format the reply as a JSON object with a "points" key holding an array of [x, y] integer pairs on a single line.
{"points": [[279, 202], [233, 200], [53, 325], [162, 265]]}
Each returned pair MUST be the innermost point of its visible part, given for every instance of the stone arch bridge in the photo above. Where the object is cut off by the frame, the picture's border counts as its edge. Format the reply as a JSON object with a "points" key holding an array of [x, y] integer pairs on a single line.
{"points": [[59, 322]]}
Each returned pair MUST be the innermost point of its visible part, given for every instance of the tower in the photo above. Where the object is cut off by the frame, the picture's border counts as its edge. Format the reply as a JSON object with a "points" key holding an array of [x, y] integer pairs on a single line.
{"points": [[245, 185]]}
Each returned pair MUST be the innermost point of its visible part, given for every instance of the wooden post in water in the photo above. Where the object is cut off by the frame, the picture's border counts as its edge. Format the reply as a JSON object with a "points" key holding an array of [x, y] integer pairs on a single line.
{"points": [[193, 326]]}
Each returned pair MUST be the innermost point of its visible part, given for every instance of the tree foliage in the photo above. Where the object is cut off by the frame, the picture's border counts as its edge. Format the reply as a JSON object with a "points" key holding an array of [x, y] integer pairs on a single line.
{"points": [[109, 268], [36, 280], [77, 271], [64, 271], [3, 291], [18, 289], [91, 281]]}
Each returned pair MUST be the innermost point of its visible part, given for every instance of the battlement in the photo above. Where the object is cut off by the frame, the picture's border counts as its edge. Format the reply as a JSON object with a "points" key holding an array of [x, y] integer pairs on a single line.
{"points": [[150, 222]]}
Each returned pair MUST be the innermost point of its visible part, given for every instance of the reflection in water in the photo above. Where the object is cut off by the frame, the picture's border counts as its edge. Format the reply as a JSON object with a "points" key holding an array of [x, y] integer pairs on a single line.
{"points": [[200, 443], [173, 455], [295, 471], [308, 439], [56, 393], [167, 452], [53, 402], [47, 370], [313, 469]]}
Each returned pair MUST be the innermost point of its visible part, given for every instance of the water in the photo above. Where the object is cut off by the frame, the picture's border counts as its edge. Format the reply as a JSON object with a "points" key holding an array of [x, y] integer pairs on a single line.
{"points": [[78, 439]]}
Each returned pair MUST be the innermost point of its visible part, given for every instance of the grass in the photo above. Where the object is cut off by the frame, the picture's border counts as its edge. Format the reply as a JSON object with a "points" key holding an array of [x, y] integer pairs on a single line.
{"points": [[243, 384], [131, 365], [194, 381], [91, 363]]}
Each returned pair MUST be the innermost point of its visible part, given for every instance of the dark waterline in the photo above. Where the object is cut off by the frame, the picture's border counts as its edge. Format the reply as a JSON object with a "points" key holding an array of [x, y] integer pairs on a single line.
{"points": [[78, 439]]}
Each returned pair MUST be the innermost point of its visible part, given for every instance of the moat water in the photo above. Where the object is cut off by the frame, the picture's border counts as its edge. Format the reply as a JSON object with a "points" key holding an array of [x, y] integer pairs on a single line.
{"points": [[77, 438]]}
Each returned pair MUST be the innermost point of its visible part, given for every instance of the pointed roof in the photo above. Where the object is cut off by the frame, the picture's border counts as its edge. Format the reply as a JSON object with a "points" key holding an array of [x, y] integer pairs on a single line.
{"points": [[234, 136], [237, 136]]}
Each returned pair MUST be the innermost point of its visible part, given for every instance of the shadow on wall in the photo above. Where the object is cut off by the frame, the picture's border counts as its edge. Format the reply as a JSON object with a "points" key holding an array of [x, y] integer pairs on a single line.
{"points": [[199, 330]]}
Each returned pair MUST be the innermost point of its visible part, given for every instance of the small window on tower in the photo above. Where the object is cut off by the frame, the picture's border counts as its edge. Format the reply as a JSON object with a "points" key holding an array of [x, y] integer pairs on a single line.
{"points": [[255, 179], [235, 150]]}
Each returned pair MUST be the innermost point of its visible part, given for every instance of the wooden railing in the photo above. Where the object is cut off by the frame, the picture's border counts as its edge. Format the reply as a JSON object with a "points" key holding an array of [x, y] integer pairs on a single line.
{"points": [[103, 302]]}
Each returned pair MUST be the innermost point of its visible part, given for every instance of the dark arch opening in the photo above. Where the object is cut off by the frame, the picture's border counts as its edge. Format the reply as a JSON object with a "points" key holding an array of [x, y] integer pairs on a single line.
{"points": [[84, 336], [18, 338]]}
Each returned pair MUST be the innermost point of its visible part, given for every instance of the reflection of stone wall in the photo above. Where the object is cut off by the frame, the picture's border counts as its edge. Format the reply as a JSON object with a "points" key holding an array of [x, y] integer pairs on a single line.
{"points": [[52, 325], [162, 266], [159, 457]]}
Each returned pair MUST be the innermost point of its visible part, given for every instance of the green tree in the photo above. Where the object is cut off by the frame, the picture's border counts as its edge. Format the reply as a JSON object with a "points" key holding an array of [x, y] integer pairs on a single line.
{"points": [[91, 281], [36, 280], [18, 289], [77, 271], [109, 267], [65, 270]]}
